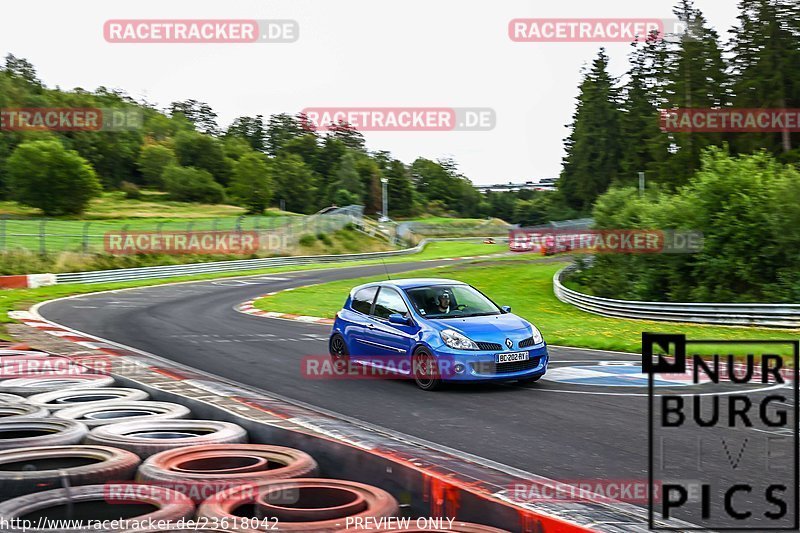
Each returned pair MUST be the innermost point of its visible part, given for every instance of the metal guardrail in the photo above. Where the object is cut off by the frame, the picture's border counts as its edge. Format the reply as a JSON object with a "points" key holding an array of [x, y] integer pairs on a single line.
{"points": [[169, 271], [129, 274], [729, 314]]}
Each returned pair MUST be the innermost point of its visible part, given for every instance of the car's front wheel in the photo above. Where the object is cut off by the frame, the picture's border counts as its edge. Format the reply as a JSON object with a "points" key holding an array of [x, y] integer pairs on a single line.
{"points": [[426, 370]]}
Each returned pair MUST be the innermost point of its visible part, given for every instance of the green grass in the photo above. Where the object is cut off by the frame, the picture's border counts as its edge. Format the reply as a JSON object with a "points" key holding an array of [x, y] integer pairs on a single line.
{"points": [[25, 228], [527, 287]]}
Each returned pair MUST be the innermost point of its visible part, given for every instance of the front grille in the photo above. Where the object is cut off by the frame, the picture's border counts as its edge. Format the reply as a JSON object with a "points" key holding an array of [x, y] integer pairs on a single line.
{"points": [[526, 343], [489, 346], [492, 368]]}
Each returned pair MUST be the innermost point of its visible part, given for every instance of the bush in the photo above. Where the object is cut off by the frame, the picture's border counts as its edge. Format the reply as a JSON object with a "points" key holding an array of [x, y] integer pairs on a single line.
{"points": [[131, 191], [251, 184], [747, 208], [307, 240], [187, 184], [153, 160], [324, 238], [45, 175]]}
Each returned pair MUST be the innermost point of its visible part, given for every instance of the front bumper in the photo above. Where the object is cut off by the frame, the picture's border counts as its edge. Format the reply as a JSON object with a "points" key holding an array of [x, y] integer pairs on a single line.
{"points": [[456, 365]]}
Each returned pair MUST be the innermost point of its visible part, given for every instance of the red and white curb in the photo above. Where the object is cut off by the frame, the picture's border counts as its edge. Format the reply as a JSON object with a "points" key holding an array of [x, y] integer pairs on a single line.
{"points": [[31, 320], [249, 307]]}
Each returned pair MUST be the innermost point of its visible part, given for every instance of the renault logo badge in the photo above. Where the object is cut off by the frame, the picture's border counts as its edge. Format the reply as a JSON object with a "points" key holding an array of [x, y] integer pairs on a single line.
{"points": [[509, 344]]}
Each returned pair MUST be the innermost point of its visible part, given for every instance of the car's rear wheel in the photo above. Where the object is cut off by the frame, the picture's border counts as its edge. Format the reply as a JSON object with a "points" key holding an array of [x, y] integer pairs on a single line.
{"points": [[338, 350], [426, 370]]}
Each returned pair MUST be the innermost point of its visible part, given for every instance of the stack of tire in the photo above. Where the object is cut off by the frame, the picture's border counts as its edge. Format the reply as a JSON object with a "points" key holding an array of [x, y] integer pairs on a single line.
{"points": [[73, 446]]}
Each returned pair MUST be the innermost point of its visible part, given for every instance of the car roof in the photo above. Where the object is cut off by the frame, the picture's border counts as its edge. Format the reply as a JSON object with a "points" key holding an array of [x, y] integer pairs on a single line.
{"points": [[409, 283]]}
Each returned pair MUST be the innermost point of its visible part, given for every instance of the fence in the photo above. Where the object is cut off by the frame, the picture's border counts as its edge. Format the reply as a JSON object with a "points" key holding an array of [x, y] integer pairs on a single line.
{"points": [[730, 314], [46, 236]]}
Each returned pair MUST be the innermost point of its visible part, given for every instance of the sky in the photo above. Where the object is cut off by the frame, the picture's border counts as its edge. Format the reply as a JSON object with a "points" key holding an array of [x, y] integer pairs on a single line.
{"points": [[351, 53]]}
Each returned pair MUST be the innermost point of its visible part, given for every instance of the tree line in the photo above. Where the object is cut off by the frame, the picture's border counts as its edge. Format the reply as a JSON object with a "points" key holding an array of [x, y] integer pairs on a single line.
{"points": [[616, 131], [256, 162], [741, 190]]}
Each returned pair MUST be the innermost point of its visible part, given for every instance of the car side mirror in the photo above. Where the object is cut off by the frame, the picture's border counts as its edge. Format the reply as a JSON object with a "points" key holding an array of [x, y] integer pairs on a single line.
{"points": [[397, 318], [506, 308]]}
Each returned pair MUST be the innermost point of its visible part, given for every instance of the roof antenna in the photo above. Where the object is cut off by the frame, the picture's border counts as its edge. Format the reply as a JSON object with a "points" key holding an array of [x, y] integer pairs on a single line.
{"points": [[386, 269]]}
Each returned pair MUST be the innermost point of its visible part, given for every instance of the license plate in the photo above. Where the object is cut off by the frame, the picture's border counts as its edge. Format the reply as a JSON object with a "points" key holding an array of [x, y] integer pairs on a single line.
{"points": [[512, 357]]}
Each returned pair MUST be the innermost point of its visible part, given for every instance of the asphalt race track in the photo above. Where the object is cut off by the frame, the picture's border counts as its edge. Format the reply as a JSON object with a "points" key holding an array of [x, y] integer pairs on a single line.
{"points": [[587, 421]]}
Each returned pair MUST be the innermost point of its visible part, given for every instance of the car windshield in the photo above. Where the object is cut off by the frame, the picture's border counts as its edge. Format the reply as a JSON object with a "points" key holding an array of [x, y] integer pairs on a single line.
{"points": [[450, 301]]}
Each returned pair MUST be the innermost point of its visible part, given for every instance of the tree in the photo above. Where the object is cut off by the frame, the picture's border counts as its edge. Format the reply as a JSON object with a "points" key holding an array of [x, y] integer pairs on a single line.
{"points": [[644, 146], [747, 209], [198, 113], [593, 147], [400, 189], [348, 134], [153, 159], [250, 129], [45, 175], [188, 184], [695, 78], [204, 152], [251, 183], [281, 129], [765, 57], [370, 175], [23, 69], [294, 184], [347, 177]]}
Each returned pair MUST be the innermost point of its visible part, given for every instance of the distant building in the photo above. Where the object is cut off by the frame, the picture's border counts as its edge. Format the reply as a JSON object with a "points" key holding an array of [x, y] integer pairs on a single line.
{"points": [[543, 184]]}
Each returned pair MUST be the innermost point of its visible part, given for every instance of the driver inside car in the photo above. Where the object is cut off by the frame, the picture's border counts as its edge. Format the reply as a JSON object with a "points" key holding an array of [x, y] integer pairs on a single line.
{"points": [[443, 303]]}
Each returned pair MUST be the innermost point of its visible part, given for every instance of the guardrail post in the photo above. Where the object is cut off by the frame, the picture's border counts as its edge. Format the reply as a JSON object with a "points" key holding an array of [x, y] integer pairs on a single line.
{"points": [[85, 243], [3, 232], [42, 239]]}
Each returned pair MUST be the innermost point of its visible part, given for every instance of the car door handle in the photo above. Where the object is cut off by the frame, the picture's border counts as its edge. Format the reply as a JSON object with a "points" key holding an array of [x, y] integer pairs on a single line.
{"points": [[371, 326]]}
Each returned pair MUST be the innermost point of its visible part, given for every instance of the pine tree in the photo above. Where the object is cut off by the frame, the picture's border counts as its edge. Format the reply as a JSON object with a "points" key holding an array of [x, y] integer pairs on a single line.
{"points": [[645, 147], [593, 149], [766, 68], [695, 78]]}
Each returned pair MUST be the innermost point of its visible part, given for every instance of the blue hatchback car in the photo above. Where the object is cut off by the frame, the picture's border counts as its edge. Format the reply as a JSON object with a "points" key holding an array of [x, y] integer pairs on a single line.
{"points": [[434, 331]]}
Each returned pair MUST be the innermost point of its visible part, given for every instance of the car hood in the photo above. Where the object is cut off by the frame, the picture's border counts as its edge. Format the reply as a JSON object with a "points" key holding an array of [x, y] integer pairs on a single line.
{"points": [[484, 328]]}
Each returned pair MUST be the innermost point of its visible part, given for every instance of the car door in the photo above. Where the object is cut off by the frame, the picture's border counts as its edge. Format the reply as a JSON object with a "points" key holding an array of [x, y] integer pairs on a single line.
{"points": [[391, 341], [358, 320]]}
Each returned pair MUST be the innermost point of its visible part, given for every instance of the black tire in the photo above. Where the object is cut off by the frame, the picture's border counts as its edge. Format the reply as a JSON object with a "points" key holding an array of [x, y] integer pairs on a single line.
{"points": [[34, 384], [94, 415], [30, 470], [97, 502], [337, 347], [425, 370], [62, 399], [205, 470], [25, 432], [147, 438], [22, 410]]}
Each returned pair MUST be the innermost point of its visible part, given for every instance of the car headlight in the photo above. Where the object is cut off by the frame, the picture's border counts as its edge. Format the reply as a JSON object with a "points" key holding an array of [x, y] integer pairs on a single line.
{"points": [[458, 341], [537, 335]]}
